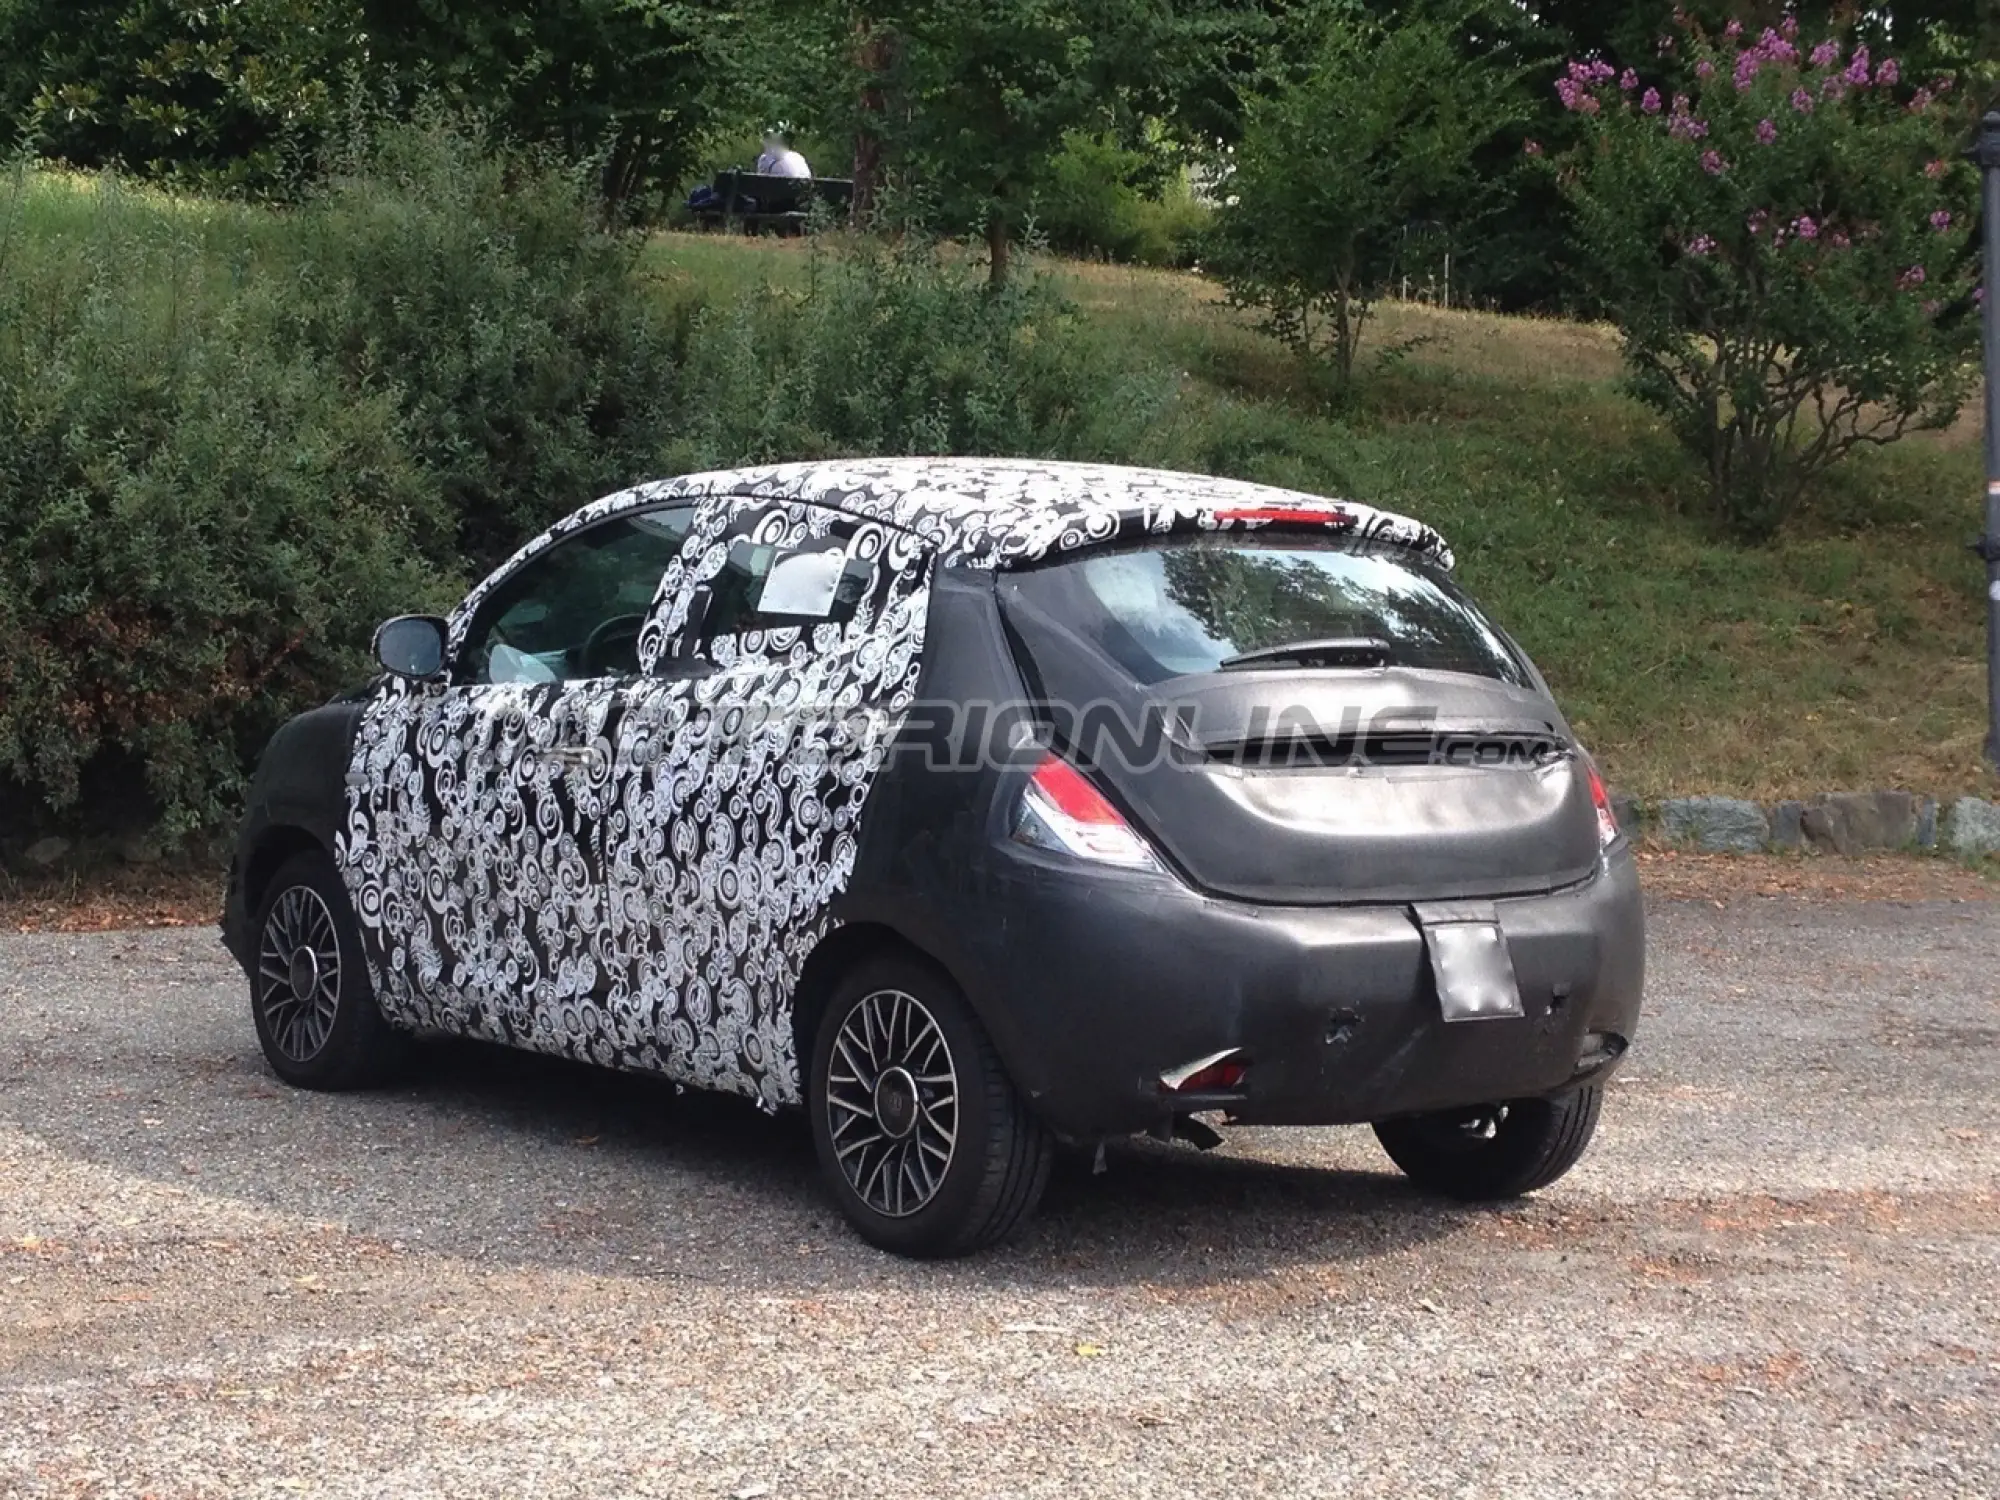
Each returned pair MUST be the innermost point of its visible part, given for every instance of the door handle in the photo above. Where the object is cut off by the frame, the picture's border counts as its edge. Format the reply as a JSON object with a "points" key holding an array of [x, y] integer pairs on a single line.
{"points": [[582, 757]]}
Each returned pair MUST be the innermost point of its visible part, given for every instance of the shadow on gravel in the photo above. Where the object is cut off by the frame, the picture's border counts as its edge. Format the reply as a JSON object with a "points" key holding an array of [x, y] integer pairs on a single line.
{"points": [[1169, 1215], [511, 1158], [723, 1173]]}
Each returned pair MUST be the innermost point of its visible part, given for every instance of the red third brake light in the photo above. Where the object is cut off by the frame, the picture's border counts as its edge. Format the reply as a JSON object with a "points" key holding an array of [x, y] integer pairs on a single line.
{"points": [[1063, 813], [1607, 820], [1304, 515]]}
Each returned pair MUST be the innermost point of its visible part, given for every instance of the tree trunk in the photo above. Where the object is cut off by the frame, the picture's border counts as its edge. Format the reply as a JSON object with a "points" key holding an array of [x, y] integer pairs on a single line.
{"points": [[1345, 335], [867, 175], [874, 50], [997, 251], [622, 170]]}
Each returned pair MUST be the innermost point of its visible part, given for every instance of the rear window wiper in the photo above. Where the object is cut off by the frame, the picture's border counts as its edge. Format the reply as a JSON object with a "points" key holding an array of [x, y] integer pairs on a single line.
{"points": [[1343, 651]]}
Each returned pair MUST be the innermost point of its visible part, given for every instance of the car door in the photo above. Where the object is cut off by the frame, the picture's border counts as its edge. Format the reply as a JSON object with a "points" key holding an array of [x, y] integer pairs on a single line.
{"points": [[791, 652], [478, 863]]}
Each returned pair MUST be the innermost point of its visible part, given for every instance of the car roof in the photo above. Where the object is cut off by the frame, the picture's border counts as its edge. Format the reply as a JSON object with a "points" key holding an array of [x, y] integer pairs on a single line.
{"points": [[1001, 512]]}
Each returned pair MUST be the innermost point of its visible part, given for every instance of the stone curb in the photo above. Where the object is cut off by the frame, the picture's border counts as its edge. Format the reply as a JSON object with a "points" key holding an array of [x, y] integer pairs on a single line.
{"points": [[1833, 823]]}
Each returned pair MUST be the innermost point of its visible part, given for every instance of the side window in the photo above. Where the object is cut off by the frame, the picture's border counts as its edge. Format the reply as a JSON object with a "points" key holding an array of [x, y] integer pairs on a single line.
{"points": [[766, 586], [782, 574], [575, 611]]}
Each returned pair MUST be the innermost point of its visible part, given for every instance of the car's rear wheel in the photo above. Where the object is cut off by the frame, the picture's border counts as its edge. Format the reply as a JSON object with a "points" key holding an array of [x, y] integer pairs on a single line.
{"points": [[310, 998], [1494, 1151], [926, 1144]]}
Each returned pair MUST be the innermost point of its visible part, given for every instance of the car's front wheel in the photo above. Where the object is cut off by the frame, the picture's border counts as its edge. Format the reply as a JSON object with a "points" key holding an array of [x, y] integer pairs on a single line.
{"points": [[310, 998], [1494, 1151], [926, 1144]]}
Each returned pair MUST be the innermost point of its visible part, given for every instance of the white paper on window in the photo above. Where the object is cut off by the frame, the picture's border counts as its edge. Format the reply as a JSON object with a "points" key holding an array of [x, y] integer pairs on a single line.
{"points": [[804, 584]]}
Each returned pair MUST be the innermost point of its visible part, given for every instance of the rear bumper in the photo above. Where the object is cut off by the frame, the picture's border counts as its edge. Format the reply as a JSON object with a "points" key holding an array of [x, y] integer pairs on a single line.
{"points": [[1096, 983]]}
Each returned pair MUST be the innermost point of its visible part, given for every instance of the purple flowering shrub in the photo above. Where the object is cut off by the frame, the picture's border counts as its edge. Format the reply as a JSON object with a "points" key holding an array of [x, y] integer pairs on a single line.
{"points": [[1779, 229]]}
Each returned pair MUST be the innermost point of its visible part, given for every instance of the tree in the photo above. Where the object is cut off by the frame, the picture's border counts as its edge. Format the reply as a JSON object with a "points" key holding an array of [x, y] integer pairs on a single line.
{"points": [[980, 95], [246, 94], [874, 56], [1381, 129], [1528, 255], [637, 84], [1779, 228], [234, 95]]}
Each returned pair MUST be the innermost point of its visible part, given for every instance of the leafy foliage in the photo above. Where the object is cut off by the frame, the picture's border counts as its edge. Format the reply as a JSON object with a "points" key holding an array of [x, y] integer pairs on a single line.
{"points": [[1783, 247], [248, 95], [981, 95], [633, 85], [197, 528], [530, 367], [1333, 167], [1101, 198], [222, 95], [232, 441], [901, 350]]}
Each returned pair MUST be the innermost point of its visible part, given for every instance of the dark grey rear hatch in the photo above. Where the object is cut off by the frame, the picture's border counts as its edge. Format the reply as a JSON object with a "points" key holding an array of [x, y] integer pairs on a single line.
{"points": [[1303, 720]]}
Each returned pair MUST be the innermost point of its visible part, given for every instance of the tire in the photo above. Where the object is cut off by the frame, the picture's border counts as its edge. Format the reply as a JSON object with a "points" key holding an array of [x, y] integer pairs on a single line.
{"points": [[911, 1190], [310, 998], [1494, 1151]]}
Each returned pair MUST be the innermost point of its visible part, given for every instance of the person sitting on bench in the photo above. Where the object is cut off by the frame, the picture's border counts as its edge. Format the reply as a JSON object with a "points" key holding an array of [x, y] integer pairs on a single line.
{"points": [[780, 160]]}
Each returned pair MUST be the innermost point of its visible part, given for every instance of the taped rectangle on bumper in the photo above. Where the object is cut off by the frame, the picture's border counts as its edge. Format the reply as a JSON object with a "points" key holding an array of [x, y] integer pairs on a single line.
{"points": [[1470, 962]]}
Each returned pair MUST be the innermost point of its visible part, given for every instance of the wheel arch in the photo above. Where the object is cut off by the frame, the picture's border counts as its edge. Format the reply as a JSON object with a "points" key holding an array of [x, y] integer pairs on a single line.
{"points": [[839, 951], [274, 846], [871, 933]]}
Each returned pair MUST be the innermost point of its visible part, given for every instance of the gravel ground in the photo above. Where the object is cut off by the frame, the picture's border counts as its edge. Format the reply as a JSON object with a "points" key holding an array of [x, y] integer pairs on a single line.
{"points": [[1777, 1273]]}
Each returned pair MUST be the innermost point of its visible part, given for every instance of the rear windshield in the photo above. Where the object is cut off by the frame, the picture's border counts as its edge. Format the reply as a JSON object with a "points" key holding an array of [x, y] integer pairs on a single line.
{"points": [[1187, 606]]}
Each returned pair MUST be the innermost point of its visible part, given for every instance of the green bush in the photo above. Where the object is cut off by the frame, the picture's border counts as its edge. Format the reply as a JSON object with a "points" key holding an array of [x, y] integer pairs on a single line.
{"points": [[479, 292], [232, 440], [1104, 199], [233, 96], [197, 528], [1783, 246], [250, 96], [904, 350]]}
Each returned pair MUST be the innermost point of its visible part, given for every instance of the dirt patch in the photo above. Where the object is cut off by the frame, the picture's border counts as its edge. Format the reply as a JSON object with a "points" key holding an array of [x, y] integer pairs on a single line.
{"points": [[105, 900], [1674, 875]]}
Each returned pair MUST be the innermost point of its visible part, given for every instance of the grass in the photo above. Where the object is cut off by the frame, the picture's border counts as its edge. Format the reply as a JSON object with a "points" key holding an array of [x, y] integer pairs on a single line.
{"points": [[180, 240], [1847, 655]]}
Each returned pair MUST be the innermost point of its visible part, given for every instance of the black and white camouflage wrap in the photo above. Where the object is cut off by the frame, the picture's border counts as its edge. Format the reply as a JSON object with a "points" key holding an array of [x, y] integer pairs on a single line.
{"points": [[999, 513], [633, 872]]}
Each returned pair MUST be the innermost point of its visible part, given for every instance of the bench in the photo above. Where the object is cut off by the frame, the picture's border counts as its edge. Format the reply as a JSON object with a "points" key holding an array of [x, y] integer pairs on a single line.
{"points": [[754, 201]]}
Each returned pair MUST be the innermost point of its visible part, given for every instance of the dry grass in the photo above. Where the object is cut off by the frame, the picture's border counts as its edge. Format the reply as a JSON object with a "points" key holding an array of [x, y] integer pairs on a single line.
{"points": [[1479, 344], [1675, 875]]}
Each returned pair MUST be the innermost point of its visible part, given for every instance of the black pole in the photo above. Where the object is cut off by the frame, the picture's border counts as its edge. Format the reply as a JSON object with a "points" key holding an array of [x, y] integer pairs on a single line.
{"points": [[1989, 547]]}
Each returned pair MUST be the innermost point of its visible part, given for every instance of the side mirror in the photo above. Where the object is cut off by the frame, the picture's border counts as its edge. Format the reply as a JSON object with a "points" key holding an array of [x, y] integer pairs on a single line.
{"points": [[411, 646]]}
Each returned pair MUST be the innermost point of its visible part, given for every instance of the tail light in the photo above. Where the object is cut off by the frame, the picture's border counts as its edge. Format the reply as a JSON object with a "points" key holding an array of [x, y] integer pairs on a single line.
{"points": [[1062, 812], [1607, 820]]}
